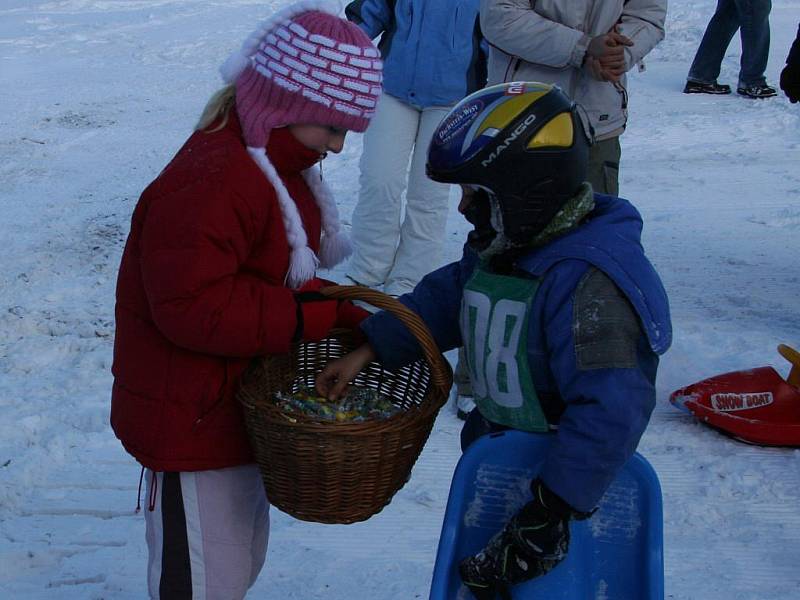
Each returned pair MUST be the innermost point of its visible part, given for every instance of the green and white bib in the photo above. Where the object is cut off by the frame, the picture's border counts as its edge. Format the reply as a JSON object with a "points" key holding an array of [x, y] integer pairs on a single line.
{"points": [[494, 326]]}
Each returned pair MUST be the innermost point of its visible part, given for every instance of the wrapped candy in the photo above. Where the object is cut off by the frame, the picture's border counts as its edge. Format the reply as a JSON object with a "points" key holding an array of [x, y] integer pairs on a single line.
{"points": [[359, 404]]}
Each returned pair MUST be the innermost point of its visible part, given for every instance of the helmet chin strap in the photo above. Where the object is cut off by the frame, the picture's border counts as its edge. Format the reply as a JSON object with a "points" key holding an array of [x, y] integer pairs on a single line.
{"points": [[500, 244]]}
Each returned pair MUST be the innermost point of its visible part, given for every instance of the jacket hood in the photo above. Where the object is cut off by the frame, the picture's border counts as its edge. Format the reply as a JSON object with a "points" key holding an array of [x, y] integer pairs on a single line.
{"points": [[610, 240]]}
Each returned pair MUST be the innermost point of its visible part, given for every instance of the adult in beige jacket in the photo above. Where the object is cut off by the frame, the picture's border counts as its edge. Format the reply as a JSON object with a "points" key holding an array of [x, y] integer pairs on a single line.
{"points": [[583, 46]]}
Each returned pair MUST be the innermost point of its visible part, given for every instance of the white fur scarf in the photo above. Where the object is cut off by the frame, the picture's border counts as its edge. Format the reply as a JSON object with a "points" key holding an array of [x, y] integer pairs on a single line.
{"points": [[334, 245]]}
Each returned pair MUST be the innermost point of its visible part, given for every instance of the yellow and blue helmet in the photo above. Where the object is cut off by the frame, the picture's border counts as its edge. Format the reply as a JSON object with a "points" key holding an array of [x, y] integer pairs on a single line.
{"points": [[522, 142]]}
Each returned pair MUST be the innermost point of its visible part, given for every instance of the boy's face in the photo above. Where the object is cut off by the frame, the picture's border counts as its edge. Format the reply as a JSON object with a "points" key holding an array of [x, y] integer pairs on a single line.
{"points": [[476, 208], [467, 196]]}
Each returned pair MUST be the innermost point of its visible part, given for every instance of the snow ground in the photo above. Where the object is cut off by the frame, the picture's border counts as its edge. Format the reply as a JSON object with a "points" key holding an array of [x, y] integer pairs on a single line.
{"points": [[99, 94]]}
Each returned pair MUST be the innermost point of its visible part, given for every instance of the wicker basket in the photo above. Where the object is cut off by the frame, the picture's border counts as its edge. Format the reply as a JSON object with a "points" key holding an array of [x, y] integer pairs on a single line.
{"points": [[342, 472]]}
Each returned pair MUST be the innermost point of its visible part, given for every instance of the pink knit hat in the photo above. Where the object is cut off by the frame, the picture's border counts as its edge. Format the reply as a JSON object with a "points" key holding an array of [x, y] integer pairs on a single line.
{"points": [[305, 65]]}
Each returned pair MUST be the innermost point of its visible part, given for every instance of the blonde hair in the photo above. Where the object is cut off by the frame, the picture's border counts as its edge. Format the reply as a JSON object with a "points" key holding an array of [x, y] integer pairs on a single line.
{"points": [[219, 105]]}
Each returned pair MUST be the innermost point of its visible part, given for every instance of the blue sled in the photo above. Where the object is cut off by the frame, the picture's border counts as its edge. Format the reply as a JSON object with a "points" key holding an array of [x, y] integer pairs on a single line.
{"points": [[617, 554]]}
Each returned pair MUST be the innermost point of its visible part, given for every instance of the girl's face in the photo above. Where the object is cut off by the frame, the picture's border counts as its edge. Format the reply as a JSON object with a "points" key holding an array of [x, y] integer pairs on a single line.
{"points": [[321, 138]]}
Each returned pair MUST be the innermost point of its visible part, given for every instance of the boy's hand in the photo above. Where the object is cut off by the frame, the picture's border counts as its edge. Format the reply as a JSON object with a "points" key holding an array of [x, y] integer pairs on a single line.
{"points": [[335, 377]]}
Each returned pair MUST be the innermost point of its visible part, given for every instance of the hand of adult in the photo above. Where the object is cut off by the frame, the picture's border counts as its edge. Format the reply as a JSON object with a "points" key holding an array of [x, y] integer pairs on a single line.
{"points": [[605, 56], [596, 70], [610, 46]]}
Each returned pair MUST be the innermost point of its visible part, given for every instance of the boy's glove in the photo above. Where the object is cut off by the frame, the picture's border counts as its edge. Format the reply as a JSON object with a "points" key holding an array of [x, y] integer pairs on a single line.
{"points": [[534, 541], [790, 81]]}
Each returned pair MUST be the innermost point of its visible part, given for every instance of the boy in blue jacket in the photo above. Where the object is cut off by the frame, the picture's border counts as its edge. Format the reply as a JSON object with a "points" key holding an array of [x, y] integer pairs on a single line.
{"points": [[561, 315]]}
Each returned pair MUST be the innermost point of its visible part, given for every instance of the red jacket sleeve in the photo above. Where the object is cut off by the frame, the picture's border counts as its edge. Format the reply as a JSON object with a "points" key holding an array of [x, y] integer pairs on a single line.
{"points": [[194, 243]]}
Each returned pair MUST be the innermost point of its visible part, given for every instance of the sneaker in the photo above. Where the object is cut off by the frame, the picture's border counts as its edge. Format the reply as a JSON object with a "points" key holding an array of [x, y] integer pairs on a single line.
{"points": [[461, 404], [695, 87], [464, 406], [757, 91]]}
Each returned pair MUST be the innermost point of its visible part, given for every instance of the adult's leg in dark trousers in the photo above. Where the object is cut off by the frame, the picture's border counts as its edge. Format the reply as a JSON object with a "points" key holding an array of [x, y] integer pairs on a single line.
{"points": [[603, 167], [716, 39], [754, 18]]}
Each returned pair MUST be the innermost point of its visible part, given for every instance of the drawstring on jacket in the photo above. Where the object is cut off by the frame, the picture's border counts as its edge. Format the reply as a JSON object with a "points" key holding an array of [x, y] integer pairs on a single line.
{"points": [[153, 487], [139, 493]]}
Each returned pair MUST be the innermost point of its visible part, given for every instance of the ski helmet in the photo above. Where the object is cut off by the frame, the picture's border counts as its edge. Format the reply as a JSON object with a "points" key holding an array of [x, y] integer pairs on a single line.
{"points": [[524, 143]]}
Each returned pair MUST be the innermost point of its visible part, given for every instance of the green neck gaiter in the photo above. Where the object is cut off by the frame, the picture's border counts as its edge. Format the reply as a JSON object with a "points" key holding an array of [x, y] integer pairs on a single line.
{"points": [[570, 215]]}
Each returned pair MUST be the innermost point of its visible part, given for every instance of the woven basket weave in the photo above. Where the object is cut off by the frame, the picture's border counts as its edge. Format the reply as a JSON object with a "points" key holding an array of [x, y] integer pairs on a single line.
{"points": [[330, 472]]}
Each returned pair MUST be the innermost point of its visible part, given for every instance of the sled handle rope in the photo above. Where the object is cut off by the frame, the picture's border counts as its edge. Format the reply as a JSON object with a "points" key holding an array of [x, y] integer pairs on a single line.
{"points": [[793, 356], [440, 371]]}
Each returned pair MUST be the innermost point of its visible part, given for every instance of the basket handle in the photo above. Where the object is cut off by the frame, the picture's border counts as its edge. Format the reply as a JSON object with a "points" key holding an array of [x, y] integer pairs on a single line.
{"points": [[441, 375]]}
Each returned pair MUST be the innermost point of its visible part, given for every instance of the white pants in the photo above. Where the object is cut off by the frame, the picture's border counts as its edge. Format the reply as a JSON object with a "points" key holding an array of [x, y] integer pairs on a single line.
{"points": [[387, 250], [206, 534]]}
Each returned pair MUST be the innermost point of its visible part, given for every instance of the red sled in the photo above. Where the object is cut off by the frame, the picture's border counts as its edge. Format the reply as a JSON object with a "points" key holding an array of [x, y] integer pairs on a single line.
{"points": [[756, 406]]}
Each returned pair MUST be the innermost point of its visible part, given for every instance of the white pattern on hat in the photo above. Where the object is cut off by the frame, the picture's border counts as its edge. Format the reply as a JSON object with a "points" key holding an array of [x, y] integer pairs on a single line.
{"points": [[291, 46]]}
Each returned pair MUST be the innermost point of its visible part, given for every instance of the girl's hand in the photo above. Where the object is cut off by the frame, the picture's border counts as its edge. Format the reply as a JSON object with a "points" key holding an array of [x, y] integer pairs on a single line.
{"points": [[336, 375]]}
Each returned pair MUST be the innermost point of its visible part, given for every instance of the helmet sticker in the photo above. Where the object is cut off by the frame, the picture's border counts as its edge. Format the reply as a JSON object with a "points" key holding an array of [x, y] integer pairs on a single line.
{"points": [[479, 134], [515, 88], [518, 130], [457, 121]]}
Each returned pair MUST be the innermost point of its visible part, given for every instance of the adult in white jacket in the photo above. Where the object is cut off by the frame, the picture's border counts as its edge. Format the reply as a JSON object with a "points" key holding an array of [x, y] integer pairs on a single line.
{"points": [[583, 46]]}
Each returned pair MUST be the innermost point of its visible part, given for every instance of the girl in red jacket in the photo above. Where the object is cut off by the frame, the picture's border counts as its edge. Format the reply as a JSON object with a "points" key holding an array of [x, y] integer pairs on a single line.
{"points": [[220, 244]]}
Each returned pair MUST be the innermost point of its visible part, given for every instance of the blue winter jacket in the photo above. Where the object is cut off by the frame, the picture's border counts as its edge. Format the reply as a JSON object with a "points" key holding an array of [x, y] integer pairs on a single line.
{"points": [[605, 411], [431, 48]]}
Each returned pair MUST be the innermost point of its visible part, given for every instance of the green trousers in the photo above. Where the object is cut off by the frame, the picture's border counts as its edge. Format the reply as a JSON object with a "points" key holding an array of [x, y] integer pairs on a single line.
{"points": [[603, 168]]}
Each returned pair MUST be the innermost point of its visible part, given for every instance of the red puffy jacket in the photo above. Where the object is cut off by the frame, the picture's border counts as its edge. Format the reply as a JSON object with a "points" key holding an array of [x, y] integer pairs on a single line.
{"points": [[201, 291]]}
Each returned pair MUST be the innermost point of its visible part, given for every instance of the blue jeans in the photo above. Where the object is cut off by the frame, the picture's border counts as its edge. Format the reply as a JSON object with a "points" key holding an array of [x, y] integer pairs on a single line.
{"points": [[752, 17]]}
